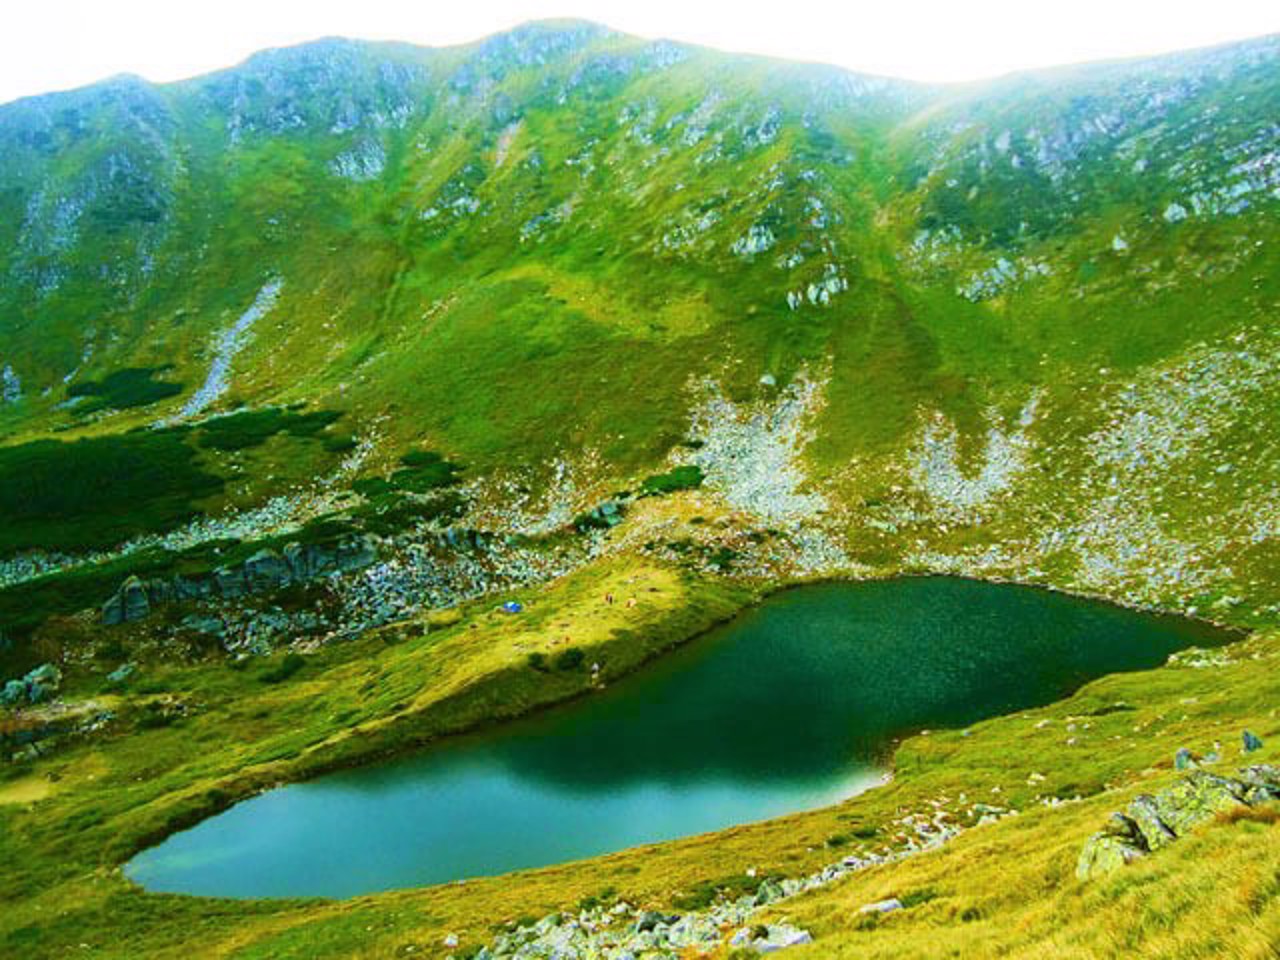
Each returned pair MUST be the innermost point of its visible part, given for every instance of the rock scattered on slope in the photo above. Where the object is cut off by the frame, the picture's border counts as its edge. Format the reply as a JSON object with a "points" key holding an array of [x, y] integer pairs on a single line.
{"points": [[1154, 821], [37, 686]]}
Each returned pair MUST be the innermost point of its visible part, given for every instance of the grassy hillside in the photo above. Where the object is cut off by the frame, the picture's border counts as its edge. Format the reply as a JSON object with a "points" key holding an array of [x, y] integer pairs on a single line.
{"points": [[565, 306], [543, 247]]}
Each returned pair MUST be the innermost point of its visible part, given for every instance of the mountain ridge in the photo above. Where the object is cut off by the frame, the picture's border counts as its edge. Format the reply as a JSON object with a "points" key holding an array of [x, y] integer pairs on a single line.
{"points": [[308, 365], [471, 248]]}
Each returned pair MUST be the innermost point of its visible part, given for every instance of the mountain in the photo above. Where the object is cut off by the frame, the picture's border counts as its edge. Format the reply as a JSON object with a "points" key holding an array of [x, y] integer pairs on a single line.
{"points": [[352, 334]]}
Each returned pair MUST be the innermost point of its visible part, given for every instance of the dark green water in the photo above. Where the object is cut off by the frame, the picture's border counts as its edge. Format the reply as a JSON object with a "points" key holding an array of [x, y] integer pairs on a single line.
{"points": [[787, 708]]}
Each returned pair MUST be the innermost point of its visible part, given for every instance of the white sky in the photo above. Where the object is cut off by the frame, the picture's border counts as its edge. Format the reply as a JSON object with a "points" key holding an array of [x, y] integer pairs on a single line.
{"points": [[56, 44]]}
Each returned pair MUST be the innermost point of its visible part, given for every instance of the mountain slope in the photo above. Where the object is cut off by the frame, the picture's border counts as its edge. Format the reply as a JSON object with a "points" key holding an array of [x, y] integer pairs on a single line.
{"points": [[306, 361]]}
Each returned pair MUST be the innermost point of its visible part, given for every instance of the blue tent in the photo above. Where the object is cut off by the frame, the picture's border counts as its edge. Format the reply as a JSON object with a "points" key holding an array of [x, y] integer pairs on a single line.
{"points": [[512, 606]]}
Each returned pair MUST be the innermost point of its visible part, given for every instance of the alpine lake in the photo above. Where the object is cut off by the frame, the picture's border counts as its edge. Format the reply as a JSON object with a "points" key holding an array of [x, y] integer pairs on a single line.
{"points": [[793, 705]]}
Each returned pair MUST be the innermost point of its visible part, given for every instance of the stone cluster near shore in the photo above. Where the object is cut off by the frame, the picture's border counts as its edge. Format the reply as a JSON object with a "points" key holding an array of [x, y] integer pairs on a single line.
{"points": [[1153, 821]]}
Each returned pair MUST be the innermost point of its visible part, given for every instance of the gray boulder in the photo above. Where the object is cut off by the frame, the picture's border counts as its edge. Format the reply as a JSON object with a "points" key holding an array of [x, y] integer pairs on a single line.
{"points": [[304, 562], [881, 906], [113, 611], [1151, 822], [159, 592], [133, 598], [651, 919], [1103, 853], [1144, 815], [208, 625], [355, 554], [185, 588], [129, 603], [266, 570], [1262, 783], [37, 686], [13, 693], [1198, 797], [230, 582], [768, 891]]}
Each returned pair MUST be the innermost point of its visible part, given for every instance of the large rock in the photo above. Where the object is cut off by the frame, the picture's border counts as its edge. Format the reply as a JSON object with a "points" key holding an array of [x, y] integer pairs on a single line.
{"points": [[1104, 853], [133, 596], [768, 891], [202, 623], [304, 561], [230, 581], [1261, 782], [1198, 797], [355, 554], [187, 588], [1143, 813], [1152, 822], [263, 572], [266, 570], [13, 693], [128, 603], [36, 687]]}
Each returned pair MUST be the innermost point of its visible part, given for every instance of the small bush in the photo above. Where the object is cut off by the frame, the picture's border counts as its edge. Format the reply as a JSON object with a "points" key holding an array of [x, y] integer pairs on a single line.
{"points": [[723, 558], [390, 513], [131, 387], [595, 900], [538, 661], [569, 658], [286, 668], [339, 443], [917, 897], [253, 428], [681, 478], [705, 892]]}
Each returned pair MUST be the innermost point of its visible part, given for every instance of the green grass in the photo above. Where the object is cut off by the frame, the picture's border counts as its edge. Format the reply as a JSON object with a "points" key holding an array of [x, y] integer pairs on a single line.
{"points": [[97, 492], [681, 478], [1012, 882], [240, 431], [422, 471], [587, 341], [122, 389]]}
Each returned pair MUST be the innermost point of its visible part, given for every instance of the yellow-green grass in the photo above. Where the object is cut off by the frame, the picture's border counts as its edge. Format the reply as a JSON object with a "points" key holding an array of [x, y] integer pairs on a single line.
{"points": [[1013, 879]]}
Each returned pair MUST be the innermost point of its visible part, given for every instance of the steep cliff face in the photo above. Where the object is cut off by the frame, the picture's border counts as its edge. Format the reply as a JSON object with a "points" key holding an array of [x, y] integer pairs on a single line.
{"points": [[1022, 328]]}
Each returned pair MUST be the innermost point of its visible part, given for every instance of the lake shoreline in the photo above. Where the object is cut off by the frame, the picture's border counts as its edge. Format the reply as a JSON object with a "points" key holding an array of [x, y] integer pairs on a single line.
{"points": [[455, 716]]}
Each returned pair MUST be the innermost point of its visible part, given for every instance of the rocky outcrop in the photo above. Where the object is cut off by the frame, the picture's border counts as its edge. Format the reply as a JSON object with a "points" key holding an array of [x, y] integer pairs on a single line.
{"points": [[130, 602], [1153, 821], [10, 385], [225, 347], [263, 572], [362, 163], [627, 932], [36, 687], [37, 731]]}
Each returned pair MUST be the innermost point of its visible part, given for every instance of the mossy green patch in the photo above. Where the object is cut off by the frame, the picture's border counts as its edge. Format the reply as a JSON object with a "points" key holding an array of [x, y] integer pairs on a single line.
{"points": [[122, 389], [97, 492]]}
